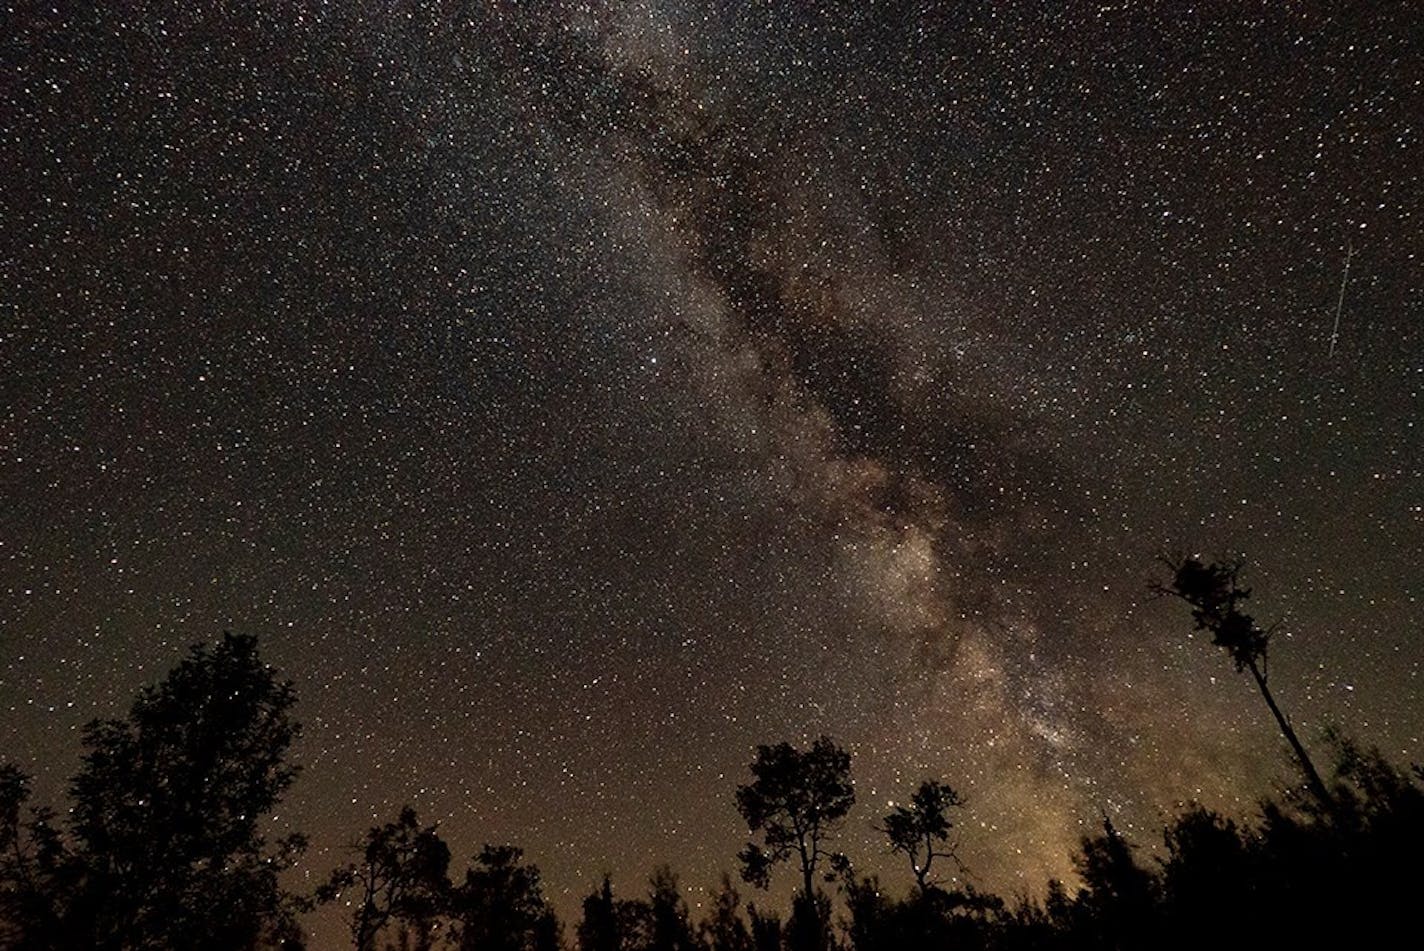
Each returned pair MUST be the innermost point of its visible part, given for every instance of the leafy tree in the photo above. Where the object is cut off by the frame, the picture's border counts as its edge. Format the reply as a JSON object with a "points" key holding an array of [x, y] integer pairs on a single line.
{"points": [[166, 847], [797, 801], [1029, 924], [401, 879], [548, 933], [930, 918], [1206, 878], [809, 926], [625, 924], [1058, 906], [500, 906], [671, 929], [1215, 597], [871, 925], [29, 869], [723, 929], [765, 927], [920, 831], [635, 924], [598, 930], [1118, 897]]}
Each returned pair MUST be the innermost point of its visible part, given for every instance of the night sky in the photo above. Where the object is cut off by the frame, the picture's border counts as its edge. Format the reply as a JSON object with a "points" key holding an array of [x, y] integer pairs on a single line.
{"points": [[571, 396]]}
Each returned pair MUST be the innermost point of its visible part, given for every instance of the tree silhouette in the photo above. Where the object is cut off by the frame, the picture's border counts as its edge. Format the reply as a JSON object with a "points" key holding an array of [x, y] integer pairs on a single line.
{"points": [[871, 925], [671, 929], [598, 929], [31, 869], [161, 852], [548, 933], [1206, 879], [1118, 897], [920, 831], [723, 929], [765, 928], [401, 878], [1215, 598], [797, 801], [621, 924], [500, 906], [167, 805]]}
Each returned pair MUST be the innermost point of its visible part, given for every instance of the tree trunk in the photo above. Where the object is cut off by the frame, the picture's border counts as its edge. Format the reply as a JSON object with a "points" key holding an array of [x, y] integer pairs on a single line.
{"points": [[1313, 780]]}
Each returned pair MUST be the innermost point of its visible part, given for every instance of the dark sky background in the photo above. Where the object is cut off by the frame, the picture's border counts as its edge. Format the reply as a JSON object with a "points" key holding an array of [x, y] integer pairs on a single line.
{"points": [[572, 396]]}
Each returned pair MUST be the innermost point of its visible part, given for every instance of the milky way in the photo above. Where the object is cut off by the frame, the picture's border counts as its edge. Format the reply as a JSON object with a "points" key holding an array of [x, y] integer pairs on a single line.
{"points": [[572, 396]]}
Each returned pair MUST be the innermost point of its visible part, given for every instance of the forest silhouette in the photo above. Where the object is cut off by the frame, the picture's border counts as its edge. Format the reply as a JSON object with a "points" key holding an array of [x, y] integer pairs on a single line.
{"points": [[161, 848]]}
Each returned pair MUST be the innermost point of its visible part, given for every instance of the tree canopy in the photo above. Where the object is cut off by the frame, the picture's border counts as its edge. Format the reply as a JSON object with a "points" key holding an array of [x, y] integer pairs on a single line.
{"points": [[920, 830], [163, 847], [797, 801]]}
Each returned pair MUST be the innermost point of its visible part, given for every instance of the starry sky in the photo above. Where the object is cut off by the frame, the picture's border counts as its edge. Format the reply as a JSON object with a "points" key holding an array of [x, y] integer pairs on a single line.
{"points": [[572, 396]]}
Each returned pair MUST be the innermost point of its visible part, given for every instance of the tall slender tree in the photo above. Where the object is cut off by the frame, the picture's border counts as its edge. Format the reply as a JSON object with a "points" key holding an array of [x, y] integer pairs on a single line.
{"points": [[1215, 596]]}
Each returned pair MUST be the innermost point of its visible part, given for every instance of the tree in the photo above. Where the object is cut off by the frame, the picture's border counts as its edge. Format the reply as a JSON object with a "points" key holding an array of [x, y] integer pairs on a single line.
{"points": [[167, 806], [29, 869], [401, 878], [670, 928], [808, 927], [1206, 881], [1118, 898], [548, 933], [724, 929], [625, 924], [797, 801], [765, 928], [920, 831], [598, 930], [500, 906], [872, 916], [1215, 597]]}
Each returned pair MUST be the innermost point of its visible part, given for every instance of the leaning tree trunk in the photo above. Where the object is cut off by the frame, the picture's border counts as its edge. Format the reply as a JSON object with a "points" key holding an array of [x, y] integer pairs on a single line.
{"points": [[1312, 777]]}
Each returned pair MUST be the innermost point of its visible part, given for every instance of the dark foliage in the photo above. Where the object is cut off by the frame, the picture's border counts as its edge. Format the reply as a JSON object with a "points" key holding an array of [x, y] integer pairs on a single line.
{"points": [[920, 831], [797, 800], [1115, 907], [163, 848], [928, 918], [671, 927], [765, 928], [724, 929], [500, 906], [400, 893], [599, 930], [401, 879], [628, 924], [32, 876], [1216, 596]]}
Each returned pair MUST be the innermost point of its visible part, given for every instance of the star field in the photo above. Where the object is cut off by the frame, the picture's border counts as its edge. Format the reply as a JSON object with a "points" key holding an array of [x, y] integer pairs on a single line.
{"points": [[571, 396]]}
